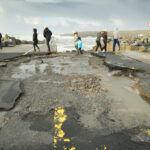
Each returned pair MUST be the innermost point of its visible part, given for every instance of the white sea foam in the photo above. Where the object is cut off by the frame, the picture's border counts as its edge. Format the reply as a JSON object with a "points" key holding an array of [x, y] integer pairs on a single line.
{"points": [[64, 43]]}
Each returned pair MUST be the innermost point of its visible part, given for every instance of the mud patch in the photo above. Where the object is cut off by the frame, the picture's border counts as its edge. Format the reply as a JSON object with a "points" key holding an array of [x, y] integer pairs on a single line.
{"points": [[39, 122]]}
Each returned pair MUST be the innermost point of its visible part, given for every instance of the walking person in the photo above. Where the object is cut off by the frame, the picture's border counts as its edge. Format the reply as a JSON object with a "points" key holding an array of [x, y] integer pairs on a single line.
{"points": [[98, 43], [116, 39], [35, 40], [47, 34], [79, 44], [104, 35], [0, 41], [76, 41]]}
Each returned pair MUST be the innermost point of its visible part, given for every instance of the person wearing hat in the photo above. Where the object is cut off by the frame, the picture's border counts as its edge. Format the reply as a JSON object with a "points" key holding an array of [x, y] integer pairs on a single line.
{"points": [[75, 41]]}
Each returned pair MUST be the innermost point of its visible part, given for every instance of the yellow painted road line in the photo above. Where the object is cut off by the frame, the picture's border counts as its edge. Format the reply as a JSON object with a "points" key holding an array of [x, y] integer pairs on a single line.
{"points": [[59, 118], [59, 135], [28, 52], [147, 131]]}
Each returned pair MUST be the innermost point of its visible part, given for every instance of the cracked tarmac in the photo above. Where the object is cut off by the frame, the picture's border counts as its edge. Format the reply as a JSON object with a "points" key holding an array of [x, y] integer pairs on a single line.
{"points": [[113, 119]]}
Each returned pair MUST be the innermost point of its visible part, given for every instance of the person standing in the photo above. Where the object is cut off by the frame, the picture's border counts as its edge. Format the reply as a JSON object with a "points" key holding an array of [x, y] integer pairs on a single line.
{"points": [[104, 35], [47, 34], [79, 44], [76, 41], [98, 43], [0, 41], [116, 39], [35, 40]]}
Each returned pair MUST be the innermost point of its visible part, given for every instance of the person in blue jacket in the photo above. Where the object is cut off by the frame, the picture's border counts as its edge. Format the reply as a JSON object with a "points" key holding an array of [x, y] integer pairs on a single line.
{"points": [[79, 44]]}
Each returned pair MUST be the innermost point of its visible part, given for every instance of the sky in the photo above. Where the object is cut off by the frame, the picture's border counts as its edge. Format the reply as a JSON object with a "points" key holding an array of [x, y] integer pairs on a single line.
{"points": [[19, 17]]}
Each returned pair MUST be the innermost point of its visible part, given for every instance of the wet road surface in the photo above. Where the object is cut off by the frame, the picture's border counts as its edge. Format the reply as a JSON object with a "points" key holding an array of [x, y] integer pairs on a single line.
{"points": [[74, 103]]}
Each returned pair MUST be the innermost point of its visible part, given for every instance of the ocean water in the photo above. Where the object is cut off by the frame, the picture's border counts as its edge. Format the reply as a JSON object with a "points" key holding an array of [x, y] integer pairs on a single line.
{"points": [[66, 43]]}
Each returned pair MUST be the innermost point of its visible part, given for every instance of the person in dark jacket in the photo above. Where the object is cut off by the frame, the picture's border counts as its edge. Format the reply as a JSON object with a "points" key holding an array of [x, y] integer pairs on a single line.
{"points": [[104, 35], [0, 41], [98, 41], [47, 34], [35, 40]]}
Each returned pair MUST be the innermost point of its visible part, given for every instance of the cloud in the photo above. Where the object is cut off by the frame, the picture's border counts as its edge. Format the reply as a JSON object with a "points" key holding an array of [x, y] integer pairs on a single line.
{"points": [[1, 10], [32, 21], [117, 22], [55, 1], [77, 23], [83, 23], [67, 15]]}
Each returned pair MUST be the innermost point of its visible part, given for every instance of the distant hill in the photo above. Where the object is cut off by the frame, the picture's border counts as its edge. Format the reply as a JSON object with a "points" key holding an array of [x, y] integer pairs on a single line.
{"points": [[122, 33]]}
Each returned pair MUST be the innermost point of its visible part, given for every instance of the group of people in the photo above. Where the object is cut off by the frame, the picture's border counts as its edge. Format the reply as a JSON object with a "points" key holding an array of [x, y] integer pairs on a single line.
{"points": [[47, 34], [102, 38]]}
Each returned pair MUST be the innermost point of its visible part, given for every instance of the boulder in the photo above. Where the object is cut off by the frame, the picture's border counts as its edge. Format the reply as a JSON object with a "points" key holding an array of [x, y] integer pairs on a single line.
{"points": [[3, 64]]}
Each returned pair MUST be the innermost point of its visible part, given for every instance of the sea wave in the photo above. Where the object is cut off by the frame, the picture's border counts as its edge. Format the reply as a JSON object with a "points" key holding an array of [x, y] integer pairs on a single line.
{"points": [[64, 43]]}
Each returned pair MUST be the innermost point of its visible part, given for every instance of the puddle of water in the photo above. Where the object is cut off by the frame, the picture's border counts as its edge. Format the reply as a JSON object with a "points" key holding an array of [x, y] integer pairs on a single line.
{"points": [[119, 87], [26, 70], [75, 65], [121, 90]]}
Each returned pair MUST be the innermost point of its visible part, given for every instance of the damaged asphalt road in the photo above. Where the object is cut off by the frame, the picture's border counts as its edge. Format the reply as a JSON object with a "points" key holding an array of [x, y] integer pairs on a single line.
{"points": [[10, 92], [73, 103], [137, 68]]}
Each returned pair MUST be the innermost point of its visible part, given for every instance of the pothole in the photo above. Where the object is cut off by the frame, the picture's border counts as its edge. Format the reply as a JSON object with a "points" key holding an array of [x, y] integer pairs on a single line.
{"points": [[85, 85]]}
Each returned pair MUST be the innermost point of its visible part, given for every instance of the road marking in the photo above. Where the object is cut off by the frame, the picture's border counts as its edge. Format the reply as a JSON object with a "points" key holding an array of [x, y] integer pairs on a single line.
{"points": [[59, 135], [147, 131], [59, 118], [102, 146], [28, 52], [105, 148]]}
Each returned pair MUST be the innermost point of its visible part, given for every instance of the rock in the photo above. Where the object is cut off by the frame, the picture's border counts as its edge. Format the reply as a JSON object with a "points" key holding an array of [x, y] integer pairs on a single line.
{"points": [[2, 64], [117, 73], [10, 41], [142, 48], [139, 42], [10, 91], [134, 44], [74, 51]]}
